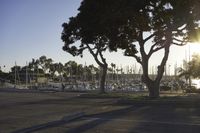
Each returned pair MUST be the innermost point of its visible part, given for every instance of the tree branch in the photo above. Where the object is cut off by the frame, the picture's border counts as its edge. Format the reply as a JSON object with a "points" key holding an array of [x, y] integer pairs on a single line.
{"points": [[149, 37], [152, 48], [179, 42], [166, 45], [138, 59], [159, 48], [102, 58], [163, 62], [181, 29], [95, 55]]}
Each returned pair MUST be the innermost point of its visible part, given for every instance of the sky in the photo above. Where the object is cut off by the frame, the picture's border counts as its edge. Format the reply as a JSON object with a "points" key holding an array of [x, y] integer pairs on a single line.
{"points": [[32, 28]]}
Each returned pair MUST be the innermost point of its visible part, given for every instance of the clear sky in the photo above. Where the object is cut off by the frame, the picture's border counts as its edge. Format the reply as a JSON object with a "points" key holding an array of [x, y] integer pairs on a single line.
{"points": [[32, 28]]}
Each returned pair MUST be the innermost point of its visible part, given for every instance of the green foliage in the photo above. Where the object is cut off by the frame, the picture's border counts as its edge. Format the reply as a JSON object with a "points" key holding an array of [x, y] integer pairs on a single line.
{"points": [[194, 66], [131, 25], [45, 67], [122, 23], [190, 69], [185, 71], [192, 89]]}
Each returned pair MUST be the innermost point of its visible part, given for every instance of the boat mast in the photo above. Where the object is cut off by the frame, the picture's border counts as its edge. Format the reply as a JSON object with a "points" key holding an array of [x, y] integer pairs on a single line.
{"points": [[15, 74], [26, 74]]}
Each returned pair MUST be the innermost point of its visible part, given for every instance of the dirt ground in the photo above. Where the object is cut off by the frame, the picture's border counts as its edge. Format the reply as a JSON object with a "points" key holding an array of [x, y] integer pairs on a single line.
{"points": [[22, 112]]}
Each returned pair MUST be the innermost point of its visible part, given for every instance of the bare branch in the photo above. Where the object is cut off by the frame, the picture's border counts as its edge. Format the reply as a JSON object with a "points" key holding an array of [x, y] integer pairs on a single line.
{"points": [[163, 62], [95, 55], [102, 58], [138, 59], [152, 48], [90, 49], [182, 28], [159, 48], [179, 42], [142, 51], [149, 37]]}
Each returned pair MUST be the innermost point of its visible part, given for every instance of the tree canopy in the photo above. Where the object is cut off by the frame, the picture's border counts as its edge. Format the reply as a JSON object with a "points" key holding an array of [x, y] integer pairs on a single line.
{"points": [[134, 26]]}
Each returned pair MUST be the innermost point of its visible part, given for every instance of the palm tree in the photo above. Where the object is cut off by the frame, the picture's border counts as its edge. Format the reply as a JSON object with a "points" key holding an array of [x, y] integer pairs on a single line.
{"points": [[70, 69], [80, 70], [48, 62], [46, 67], [60, 70], [44, 63], [185, 72], [34, 68], [15, 71], [52, 70]]}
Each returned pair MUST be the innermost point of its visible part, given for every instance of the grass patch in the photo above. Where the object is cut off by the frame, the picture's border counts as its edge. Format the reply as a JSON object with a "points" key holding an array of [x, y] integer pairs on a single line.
{"points": [[142, 98], [128, 96], [122, 95]]}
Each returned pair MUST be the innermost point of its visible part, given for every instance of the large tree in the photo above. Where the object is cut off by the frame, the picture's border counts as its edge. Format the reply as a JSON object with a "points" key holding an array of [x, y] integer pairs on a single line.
{"points": [[71, 68], [140, 27], [45, 63], [80, 34], [156, 26]]}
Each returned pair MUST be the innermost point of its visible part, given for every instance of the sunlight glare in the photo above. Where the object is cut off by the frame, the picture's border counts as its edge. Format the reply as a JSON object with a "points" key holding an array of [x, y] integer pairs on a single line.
{"points": [[194, 48]]}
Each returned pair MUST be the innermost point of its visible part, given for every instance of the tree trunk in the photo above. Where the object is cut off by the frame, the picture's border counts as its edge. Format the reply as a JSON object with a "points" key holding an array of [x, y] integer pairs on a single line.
{"points": [[154, 89], [103, 79], [152, 85]]}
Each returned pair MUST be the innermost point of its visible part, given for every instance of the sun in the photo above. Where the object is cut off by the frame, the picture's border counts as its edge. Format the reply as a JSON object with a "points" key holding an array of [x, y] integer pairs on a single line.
{"points": [[194, 48]]}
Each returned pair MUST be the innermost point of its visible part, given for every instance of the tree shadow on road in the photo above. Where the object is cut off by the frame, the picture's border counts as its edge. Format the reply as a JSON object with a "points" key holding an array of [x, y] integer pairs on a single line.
{"points": [[101, 118], [169, 119], [148, 118]]}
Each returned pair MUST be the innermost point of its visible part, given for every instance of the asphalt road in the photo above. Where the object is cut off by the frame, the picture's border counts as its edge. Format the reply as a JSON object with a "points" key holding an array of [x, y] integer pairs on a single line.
{"points": [[141, 119], [28, 111]]}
